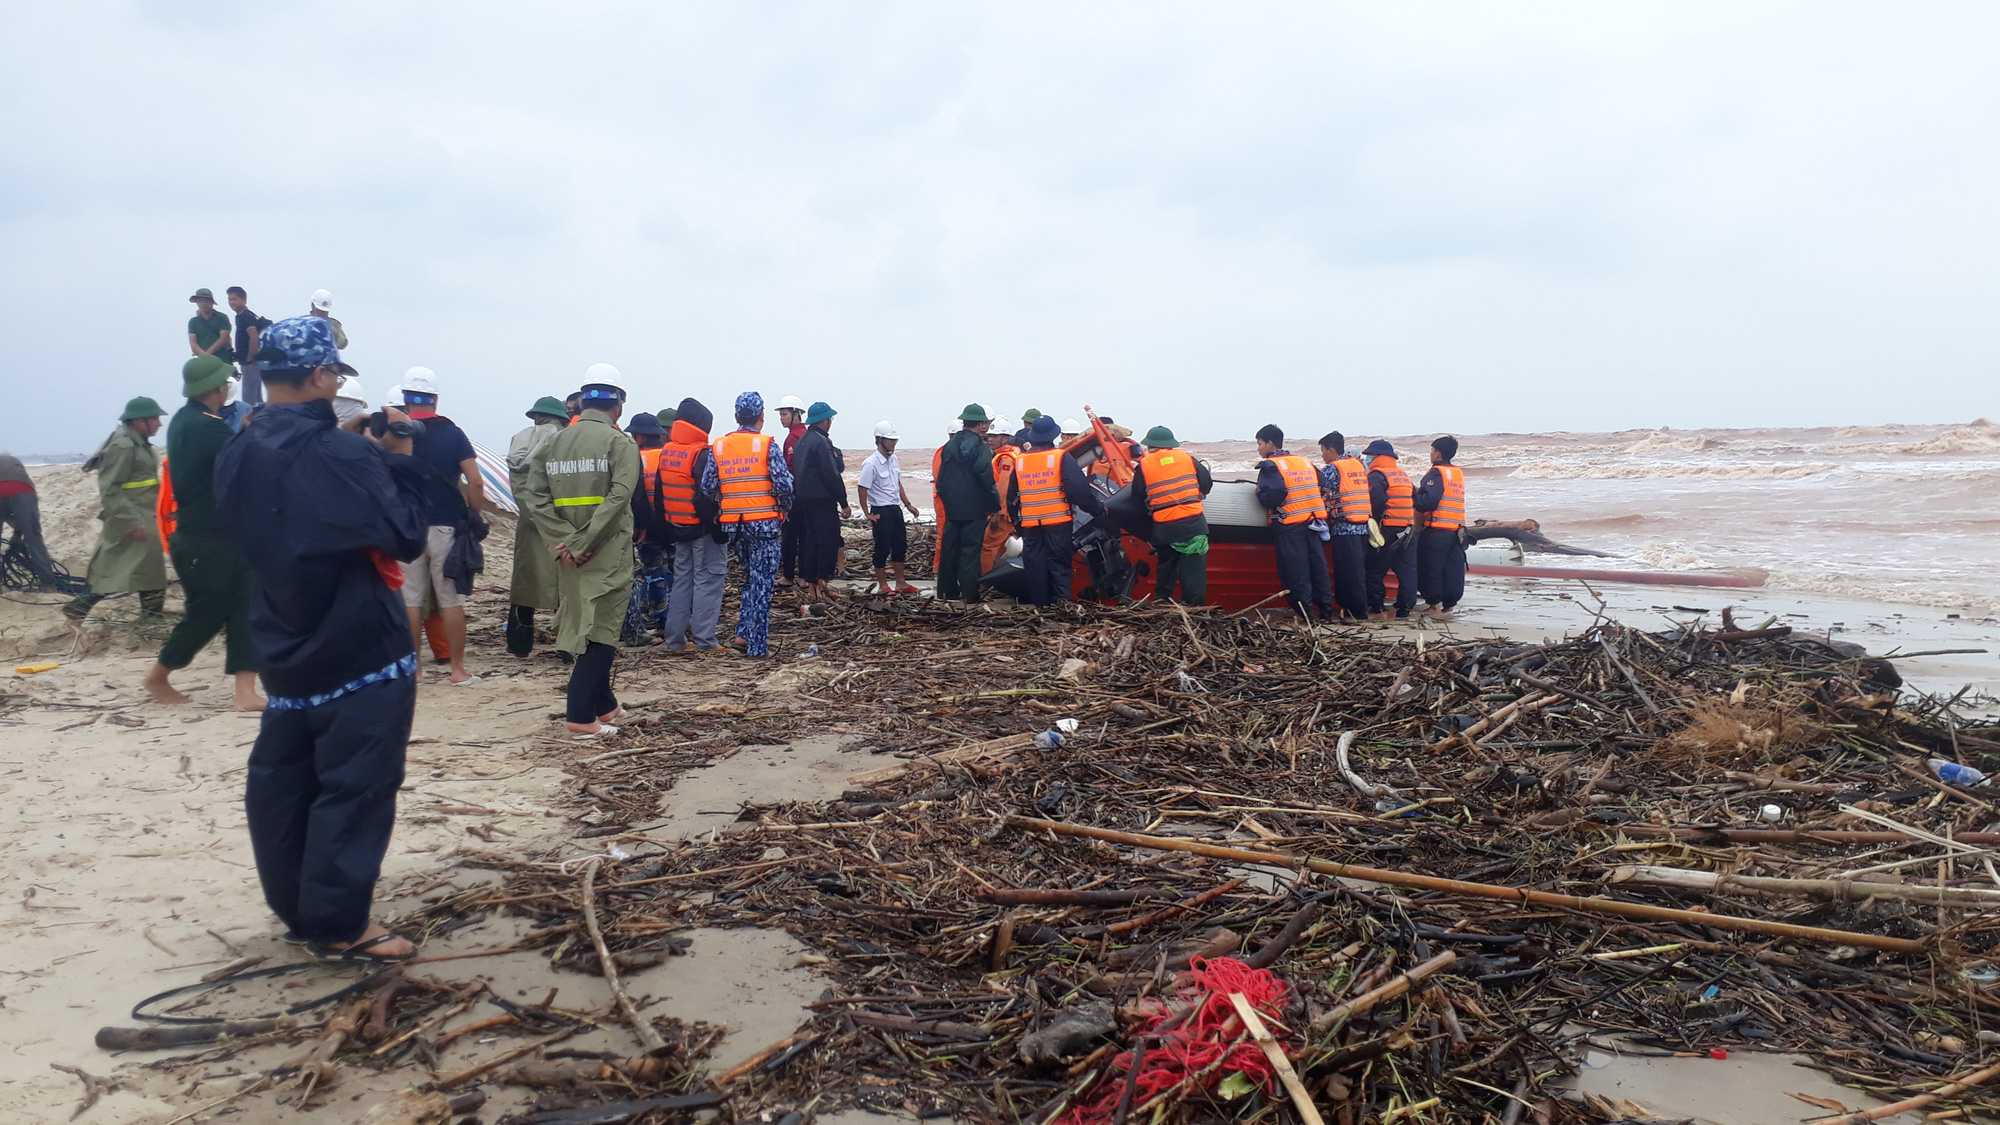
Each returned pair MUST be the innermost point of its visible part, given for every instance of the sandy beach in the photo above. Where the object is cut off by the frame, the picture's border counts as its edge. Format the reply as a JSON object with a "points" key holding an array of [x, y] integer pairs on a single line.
{"points": [[130, 868]]}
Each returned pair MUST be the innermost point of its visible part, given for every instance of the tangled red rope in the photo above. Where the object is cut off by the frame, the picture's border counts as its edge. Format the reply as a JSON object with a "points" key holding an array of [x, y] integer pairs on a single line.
{"points": [[1200, 1048]]}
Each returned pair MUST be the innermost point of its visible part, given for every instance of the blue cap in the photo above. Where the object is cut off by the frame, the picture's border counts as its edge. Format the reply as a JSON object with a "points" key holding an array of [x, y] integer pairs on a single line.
{"points": [[644, 424], [749, 405], [1045, 429], [1379, 448], [305, 341], [819, 412]]}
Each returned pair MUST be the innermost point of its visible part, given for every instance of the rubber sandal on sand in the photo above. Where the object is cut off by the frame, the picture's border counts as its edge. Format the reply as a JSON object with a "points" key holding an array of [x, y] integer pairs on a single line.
{"points": [[467, 682], [293, 937], [358, 953], [906, 588], [604, 730]]}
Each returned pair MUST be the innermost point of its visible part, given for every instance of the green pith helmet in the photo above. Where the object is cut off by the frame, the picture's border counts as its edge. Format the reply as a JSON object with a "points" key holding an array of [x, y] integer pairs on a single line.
{"points": [[549, 406], [1159, 437], [973, 413], [141, 407]]}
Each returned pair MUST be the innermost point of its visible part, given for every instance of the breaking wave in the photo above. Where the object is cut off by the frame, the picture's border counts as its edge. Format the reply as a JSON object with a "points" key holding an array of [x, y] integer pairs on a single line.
{"points": [[1819, 582], [1669, 443], [1966, 439], [1586, 470]]}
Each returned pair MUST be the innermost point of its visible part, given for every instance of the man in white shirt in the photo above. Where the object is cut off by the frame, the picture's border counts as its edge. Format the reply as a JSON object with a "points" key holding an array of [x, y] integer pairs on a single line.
{"points": [[880, 490]]}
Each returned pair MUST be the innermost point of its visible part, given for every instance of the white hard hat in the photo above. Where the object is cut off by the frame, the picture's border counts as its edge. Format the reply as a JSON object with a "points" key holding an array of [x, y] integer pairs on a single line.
{"points": [[792, 402], [1071, 426], [1014, 545], [1003, 426], [350, 388], [606, 374], [886, 429], [420, 381], [322, 300]]}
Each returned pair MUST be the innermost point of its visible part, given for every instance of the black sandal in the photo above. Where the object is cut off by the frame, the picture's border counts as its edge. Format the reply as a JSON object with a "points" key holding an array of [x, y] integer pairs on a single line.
{"points": [[359, 954]]}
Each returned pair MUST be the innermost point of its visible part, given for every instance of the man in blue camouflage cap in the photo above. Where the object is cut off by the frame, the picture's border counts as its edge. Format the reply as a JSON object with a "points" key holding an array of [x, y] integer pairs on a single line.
{"points": [[323, 517]]}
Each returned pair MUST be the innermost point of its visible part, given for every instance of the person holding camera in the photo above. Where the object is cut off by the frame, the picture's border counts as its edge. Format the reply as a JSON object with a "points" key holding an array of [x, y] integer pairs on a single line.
{"points": [[325, 517]]}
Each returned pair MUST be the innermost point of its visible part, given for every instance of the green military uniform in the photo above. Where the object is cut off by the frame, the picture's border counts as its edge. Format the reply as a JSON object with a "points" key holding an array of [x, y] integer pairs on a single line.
{"points": [[534, 581], [578, 491], [128, 484]]}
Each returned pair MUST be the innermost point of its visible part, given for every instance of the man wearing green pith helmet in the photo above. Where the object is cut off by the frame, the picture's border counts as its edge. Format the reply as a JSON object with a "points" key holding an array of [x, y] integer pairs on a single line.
{"points": [[129, 557]]}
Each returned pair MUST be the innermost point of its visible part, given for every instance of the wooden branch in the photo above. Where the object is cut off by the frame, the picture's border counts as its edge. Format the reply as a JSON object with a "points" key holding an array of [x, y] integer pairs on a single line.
{"points": [[1958, 1086], [1837, 890], [641, 1026], [1269, 1045], [1520, 895], [156, 1038], [1402, 983]]}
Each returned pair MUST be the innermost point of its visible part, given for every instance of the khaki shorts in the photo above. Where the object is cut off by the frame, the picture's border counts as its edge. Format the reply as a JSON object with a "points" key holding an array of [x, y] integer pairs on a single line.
{"points": [[425, 573]]}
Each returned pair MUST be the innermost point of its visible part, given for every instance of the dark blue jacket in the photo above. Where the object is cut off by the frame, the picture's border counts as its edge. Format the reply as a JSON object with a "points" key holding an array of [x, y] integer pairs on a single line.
{"points": [[1429, 494], [304, 502], [1271, 487]]}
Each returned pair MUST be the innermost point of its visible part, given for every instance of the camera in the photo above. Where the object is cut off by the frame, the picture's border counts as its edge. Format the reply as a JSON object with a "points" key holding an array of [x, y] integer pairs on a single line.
{"points": [[379, 424]]}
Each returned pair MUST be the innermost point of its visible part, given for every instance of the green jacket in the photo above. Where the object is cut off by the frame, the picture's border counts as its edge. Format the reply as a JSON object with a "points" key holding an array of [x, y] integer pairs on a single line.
{"points": [[965, 477], [534, 581], [194, 437], [578, 492], [128, 485]]}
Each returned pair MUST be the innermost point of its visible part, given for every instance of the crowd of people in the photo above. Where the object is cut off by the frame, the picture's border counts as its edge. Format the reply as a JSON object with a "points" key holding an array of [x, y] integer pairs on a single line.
{"points": [[324, 541]]}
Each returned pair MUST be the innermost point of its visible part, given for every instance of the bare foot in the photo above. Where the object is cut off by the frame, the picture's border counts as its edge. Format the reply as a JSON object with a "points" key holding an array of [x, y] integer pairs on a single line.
{"points": [[157, 686], [250, 702], [399, 947]]}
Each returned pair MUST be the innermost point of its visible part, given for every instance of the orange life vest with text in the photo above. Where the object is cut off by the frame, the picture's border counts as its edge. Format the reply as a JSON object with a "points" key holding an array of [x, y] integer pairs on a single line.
{"points": [[674, 478], [1038, 475], [1173, 492], [1351, 489], [1450, 512], [1302, 499], [742, 464], [1401, 510]]}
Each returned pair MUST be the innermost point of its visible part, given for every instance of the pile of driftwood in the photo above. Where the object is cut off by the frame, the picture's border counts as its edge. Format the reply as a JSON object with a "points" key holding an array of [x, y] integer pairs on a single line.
{"points": [[1448, 865]]}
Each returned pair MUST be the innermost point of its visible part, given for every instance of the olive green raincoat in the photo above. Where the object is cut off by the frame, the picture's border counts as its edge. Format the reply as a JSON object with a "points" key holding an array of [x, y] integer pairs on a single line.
{"points": [[128, 484], [534, 583], [578, 491]]}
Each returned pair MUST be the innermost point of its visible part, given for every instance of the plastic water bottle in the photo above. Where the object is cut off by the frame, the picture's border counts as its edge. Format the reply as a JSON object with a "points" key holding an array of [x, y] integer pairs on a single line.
{"points": [[1049, 740], [1955, 773]]}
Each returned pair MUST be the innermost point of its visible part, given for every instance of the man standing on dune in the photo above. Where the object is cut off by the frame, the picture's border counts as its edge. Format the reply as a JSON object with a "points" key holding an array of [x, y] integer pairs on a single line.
{"points": [[323, 516]]}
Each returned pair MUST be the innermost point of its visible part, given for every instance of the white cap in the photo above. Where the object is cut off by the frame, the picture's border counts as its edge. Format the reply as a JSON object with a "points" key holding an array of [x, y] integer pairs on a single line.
{"points": [[419, 380], [792, 402], [1071, 426], [886, 429], [322, 300]]}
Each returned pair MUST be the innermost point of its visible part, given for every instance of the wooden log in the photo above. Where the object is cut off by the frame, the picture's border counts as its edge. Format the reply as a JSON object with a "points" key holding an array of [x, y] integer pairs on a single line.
{"points": [[1783, 835], [1402, 983], [1519, 895], [1031, 896], [946, 1029], [1294, 929], [181, 1035], [1956, 1086], [641, 1026], [1837, 890]]}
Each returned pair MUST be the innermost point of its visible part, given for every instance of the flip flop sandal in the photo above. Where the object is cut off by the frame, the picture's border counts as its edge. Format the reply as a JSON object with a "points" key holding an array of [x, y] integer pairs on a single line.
{"points": [[358, 953], [604, 730], [467, 682], [293, 937], [906, 588]]}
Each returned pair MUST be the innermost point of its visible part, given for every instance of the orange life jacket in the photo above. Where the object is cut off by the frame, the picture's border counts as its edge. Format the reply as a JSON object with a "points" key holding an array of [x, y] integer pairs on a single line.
{"points": [[1401, 510], [1038, 474], [1172, 490], [1450, 512], [742, 464], [1302, 499], [1003, 467], [937, 500], [165, 512], [1351, 491], [675, 476], [649, 476]]}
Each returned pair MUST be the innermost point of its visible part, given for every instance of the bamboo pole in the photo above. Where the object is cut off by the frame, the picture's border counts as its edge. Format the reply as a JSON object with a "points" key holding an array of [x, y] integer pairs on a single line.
{"points": [[1839, 890], [1482, 890], [1862, 1117]]}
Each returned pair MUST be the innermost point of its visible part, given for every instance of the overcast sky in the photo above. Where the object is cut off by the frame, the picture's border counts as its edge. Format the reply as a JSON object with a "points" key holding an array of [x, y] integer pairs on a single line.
{"points": [[1388, 218]]}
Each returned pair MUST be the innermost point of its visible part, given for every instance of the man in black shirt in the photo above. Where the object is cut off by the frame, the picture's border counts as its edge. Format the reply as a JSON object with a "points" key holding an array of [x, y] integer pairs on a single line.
{"points": [[248, 326], [443, 448]]}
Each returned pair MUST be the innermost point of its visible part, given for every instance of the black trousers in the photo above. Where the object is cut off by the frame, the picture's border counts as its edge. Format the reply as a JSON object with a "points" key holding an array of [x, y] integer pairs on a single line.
{"points": [[1350, 575], [520, 629], [1046, 554], [217, 584], [819, 543], [1440, 566], [1403, 560], [590, 684], [1302, 570], [321, 799], [23, 512], [958, 559], [892, 538], [788, 550], [1190, 572]]}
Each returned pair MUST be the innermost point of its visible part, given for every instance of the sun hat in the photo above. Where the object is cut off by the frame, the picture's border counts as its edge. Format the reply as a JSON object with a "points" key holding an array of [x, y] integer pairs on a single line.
{"points": [[1044, 430], [141, 407], [201, 294], [973, 413], [820, 412], [644, 424], [1379, 448], [1159, 437], [549, 406], [203, 374]]}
